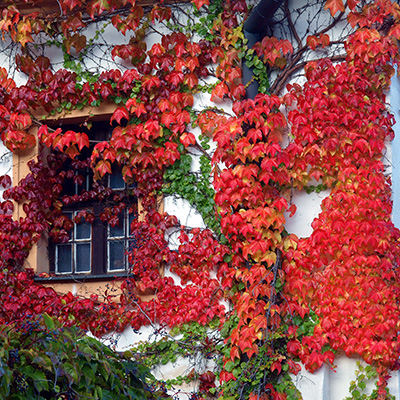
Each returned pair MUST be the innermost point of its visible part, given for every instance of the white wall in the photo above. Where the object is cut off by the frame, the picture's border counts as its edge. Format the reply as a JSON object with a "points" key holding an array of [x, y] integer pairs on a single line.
{"points": [[328, 384]]}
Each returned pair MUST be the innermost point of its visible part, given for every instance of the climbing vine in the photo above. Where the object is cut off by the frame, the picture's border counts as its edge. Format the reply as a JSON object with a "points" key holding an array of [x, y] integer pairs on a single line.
{"points": [[243, 294]]}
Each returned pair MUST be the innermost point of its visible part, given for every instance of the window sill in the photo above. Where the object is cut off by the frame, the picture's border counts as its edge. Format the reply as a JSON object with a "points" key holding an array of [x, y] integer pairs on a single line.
{"points": [[79, 278]]}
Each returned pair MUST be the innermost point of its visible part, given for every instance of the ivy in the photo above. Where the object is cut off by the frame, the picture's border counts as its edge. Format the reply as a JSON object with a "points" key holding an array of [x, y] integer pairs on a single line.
{"points": [[206, 23], [277, 298], [194, 187], [258, 67], [315, 188], [364, 375], [44, 360], [190, 341]]}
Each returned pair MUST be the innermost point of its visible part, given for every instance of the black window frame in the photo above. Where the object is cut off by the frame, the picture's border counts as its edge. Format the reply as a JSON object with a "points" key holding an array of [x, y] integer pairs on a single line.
{"points": [[99, 268]]}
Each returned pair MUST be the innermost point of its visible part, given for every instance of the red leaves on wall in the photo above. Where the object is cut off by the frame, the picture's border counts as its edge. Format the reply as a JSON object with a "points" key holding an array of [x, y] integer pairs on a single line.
{"points": [[321, 40], [273, 50], [334, 6], [345, 272]]}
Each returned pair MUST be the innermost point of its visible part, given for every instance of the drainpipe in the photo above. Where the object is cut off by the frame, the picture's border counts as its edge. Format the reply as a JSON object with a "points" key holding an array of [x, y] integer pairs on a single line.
{"points": [[254, 31]]}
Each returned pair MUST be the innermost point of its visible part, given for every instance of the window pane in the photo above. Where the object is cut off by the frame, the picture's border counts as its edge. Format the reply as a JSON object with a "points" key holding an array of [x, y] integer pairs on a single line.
{"points": [[64, 259], [116, 255], [83, 259], [83, 230], [131, 218], [68, 214], [118, 230], [116, 181]]}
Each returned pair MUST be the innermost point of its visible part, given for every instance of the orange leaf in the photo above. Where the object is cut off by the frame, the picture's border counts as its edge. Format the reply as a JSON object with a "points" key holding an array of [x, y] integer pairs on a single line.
{"points": [[334, 6], [352, 4], [219, 91], [119, 114], [187, 138], [200, 3]]}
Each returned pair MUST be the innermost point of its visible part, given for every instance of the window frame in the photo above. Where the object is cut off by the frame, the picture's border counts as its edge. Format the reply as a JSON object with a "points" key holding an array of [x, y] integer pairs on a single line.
{"points": [[100, 254], [39, 255]]}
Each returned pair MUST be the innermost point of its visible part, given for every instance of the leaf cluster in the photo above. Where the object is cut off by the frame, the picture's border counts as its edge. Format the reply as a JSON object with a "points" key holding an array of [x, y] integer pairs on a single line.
{"points": [[45, 360]]}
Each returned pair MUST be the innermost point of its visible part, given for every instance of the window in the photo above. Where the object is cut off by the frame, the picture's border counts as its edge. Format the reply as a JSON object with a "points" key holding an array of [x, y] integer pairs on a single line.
{"points": [[76, 254], [96, 216]]}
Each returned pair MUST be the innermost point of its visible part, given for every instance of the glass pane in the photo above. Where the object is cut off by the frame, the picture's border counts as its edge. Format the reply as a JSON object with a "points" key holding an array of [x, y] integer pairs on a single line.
{"points": [[131, 218], [116, 255], [88, 179], [118, 230], [64, 259], [68, 187], [83, 230], [83, 259], [116, 181], [70, 216]]}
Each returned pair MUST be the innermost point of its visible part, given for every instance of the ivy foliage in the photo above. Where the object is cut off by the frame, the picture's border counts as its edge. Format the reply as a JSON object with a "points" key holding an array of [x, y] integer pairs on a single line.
{"points": [[195, 187], [278, 299], [45, 360], [365, 375]]}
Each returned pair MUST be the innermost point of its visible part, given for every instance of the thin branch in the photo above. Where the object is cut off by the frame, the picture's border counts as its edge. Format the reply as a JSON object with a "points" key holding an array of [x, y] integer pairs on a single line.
{"points": [[198, 146], [331, 25], [291, 25]]}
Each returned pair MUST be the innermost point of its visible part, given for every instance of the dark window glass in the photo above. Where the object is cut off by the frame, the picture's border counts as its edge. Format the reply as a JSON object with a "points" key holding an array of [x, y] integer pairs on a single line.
{"points": [[94, 248]]}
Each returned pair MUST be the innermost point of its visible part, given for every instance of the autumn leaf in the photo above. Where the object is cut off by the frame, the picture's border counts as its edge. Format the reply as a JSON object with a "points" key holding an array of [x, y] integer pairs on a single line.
{"points": [[119, 114], [191, 80], [276, 366], [102, 168], [325, 40], [150, 81], [82, 140], [352, 4], [97, 7], [68, 5], [312, 42], [187, 138], [73, 23], [160, 13], [78, 41], [200, 3], [334, 6], [219, 91]]}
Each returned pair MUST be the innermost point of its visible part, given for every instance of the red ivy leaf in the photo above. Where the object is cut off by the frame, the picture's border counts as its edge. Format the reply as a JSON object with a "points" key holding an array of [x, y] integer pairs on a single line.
{"points": [[82, 140], [352, 4], [160, 13], [102, 168], [312, 42], [334, 6], [219, 91], [200, 3], [119, 114], [67, 5], [97, 7], [276, 365], [325, 40], [187, 138], [148, 82]]}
